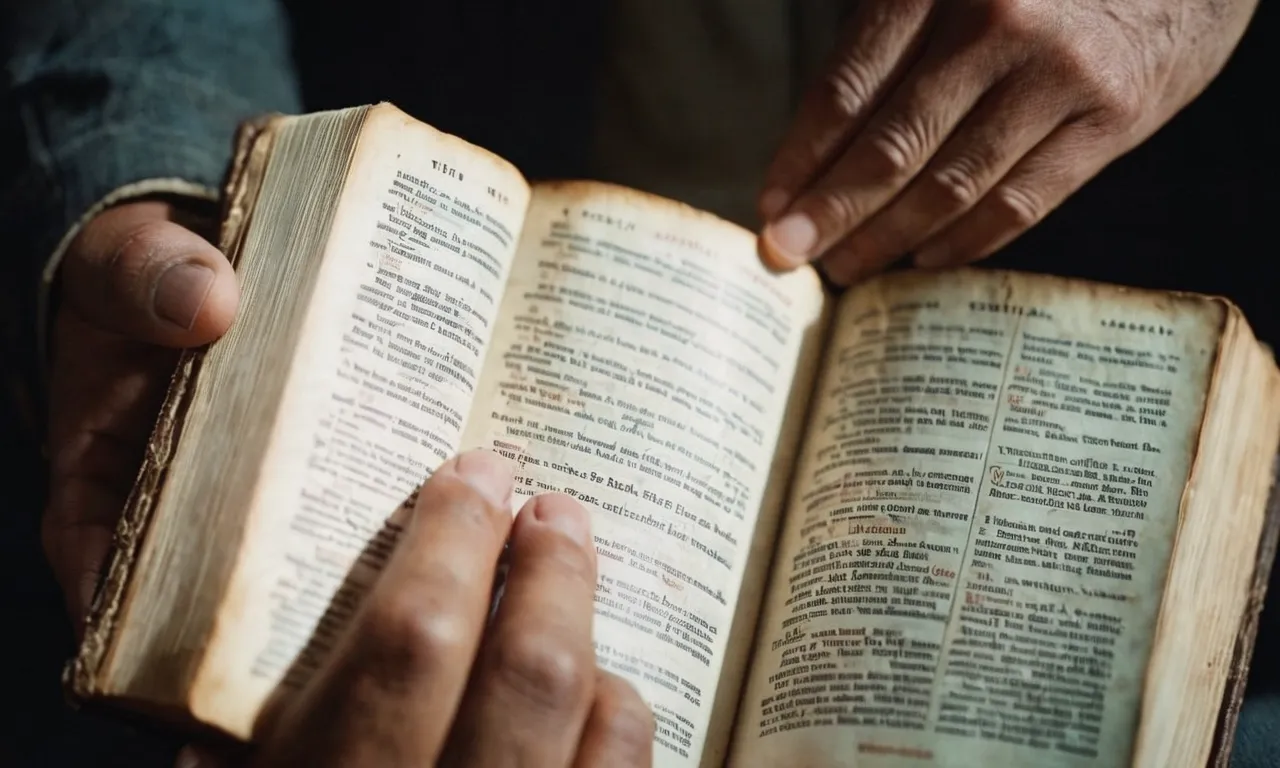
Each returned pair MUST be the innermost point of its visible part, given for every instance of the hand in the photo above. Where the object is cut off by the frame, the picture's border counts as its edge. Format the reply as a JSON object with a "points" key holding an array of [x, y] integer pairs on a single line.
{"points": [[419, 679], [945, 128], [136, 285]]}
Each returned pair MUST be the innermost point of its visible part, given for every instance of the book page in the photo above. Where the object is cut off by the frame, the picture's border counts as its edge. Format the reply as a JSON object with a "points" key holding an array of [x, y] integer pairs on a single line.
{"points": [[978, 540], [644, 365], [379, 388]]}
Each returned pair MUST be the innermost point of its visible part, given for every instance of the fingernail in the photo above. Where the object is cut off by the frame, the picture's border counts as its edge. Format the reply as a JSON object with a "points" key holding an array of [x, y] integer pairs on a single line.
{"points": [[192, 758], [793, 237], [565, 516], [492, 476], [181, 292], [931, 256], [772, 202]]}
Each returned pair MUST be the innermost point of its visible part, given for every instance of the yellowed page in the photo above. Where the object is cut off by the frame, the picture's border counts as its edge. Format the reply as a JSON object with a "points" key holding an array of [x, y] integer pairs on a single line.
{"points": [[975, 552], [1211, 572], [380, 385], [644, 365]]}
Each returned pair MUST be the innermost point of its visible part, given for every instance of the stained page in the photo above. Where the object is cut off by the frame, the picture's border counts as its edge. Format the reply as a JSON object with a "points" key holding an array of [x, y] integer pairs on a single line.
{"points": [[977, 544]]}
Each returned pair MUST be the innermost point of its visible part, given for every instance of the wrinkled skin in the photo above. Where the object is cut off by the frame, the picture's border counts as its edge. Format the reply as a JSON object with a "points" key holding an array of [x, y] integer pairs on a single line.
{"points": [[944, 129]]}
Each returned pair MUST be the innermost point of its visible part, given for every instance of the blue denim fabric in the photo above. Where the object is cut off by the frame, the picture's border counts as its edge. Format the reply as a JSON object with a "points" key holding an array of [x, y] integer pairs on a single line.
{"points": [[101, 93], [98, 94], [1257, 743]]}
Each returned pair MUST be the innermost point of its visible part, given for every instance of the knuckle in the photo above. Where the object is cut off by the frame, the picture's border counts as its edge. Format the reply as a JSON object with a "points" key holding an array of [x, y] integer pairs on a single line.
{"points": [[1118, 98], [1021, 207], [626, 719], [404, 634], [99, 458], [898, 148], [543, 671], [1018, 19], [136, 257], [849, 87], [836, 211], [1071, 60], [1111, 90], [960, 182], [571, 560], [138, 246]]}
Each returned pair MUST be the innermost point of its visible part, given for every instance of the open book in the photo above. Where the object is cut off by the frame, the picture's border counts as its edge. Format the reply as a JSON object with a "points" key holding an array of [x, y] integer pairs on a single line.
{"points": [[962, 518]]}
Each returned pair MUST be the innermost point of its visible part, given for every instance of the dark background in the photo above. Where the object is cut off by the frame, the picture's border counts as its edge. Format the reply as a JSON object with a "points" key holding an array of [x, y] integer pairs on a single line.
{"points": [[1190, 209]]}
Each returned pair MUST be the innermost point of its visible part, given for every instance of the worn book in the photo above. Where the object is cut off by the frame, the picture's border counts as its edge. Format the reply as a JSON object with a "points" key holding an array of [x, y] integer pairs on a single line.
{"points": [[957, 518]]}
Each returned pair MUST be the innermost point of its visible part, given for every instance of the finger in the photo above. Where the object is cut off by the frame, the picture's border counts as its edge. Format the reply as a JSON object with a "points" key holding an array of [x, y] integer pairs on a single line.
{"points": [[535, 676], [1046, 176], [1007, 123], [106, 390], [619, 730], [880, 43], [391, 689], [896, 143], [134, 271]]}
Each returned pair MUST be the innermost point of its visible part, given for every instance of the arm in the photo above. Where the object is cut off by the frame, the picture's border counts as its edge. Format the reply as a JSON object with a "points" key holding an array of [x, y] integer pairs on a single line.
{"points": [[108, 99]]}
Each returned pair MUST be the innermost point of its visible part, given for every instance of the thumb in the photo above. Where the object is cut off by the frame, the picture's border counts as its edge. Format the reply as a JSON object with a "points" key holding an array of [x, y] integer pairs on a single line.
{"points": [[135, 271]]}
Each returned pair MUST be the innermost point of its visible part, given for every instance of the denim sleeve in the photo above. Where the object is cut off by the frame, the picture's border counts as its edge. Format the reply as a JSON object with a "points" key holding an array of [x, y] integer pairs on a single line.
{"points": [[105, 95]]}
